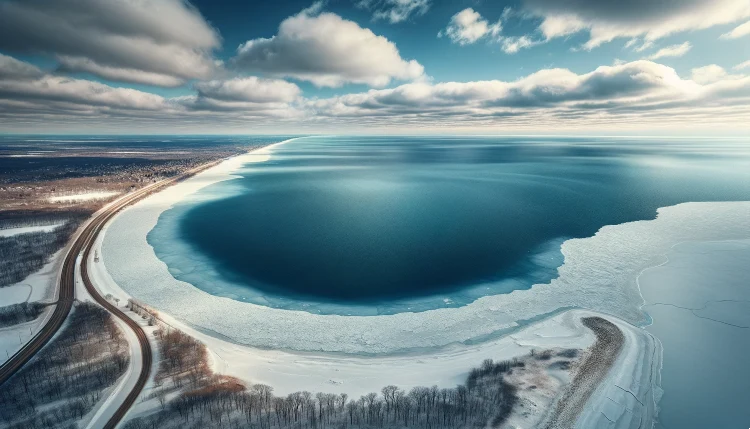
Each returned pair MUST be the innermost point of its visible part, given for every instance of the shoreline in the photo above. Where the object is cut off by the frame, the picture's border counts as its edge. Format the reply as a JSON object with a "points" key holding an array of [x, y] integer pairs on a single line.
{"points": [[288, 371], [616, 253], [688, 221], [225, 355], [621, 394]]}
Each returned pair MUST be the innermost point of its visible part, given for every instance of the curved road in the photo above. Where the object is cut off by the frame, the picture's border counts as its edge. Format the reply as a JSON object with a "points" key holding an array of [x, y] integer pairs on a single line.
{"points": [[66, 295]]}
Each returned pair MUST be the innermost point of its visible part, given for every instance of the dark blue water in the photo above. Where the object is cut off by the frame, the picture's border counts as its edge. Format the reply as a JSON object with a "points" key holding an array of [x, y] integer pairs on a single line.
{"points": [[393, 221]]}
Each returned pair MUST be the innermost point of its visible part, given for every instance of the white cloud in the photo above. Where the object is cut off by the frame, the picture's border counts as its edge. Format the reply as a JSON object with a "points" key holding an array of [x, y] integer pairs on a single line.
{"points": [[740, 31], [511, 45], [642, 44], [326, 50], [560, 25], [633, 94], [742, 66], [250, 89], [708, 74], [81, 64], [27, 94], [672, 51], [395, 11], [648, 19], [11, 68], [638, 81], [160, 42], [92, 95], [468, 26]]}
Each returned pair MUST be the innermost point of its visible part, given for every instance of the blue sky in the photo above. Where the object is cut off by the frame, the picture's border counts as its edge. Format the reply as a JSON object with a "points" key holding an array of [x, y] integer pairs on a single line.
{"points": [[374, 65], [416, 38]]}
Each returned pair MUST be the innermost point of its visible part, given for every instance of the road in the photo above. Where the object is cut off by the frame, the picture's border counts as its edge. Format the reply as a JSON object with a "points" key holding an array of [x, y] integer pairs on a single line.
{"points": [[83, 244]]}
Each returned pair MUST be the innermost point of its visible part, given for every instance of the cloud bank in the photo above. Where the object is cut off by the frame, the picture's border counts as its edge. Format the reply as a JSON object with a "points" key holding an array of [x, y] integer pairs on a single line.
{"points": [[327, 50], [638, 93], [648, 20], [127, 41]]}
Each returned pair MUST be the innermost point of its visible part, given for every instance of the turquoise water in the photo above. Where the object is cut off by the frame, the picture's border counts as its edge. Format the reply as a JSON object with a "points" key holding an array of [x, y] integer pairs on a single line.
{"points": [[380, 225]]}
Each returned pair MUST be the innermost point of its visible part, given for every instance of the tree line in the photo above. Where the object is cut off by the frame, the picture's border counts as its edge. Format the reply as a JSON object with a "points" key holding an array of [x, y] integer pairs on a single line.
{"points": [[20, 313], [24, 254], [206, 400], [64, 381], [226, 403]]}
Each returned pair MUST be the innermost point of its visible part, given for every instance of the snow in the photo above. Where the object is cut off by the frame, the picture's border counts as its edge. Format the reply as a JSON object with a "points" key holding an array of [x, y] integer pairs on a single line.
{"points": [[357, 355], [15, 294], [356, 375], [86, 196], [12, 338], [116, 395], [627, 397], [39, 286], [296, 350], [290, 371], [9, 232], [36, 287], [599, 273]]}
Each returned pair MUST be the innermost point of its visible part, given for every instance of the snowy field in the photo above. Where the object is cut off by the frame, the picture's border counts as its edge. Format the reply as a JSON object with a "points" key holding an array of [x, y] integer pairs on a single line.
{"points": [[9, 232], [36, 287], [85, 196]]}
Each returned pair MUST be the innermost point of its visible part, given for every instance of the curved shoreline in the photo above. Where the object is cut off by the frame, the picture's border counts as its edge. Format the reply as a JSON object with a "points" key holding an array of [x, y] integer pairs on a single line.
{"points": [[599, 273], [627, 395]]}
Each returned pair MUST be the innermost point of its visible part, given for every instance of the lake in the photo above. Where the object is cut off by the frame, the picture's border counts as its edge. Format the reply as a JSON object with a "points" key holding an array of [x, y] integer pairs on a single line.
{"points": [[381, 225]]}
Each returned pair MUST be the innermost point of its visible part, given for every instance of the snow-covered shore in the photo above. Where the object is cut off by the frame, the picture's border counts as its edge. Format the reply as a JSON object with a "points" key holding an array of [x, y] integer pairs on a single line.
{"points": [[297, 350], [599, 273], [628, 395], [38, 286], [290, 371]]}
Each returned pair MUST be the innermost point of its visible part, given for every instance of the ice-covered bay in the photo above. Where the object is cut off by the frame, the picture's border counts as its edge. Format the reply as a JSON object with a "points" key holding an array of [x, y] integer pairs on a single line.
{"points": [[599, 273]]}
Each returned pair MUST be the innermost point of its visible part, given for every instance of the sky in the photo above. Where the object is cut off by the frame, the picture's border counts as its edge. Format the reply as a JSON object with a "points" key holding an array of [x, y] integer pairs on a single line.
{"points": [[375, 66]]}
